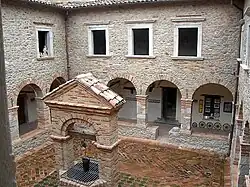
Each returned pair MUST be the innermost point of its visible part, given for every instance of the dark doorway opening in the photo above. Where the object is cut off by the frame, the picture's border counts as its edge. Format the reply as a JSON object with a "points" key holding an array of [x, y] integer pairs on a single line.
{"points": [[22, 110], [169, 96]]}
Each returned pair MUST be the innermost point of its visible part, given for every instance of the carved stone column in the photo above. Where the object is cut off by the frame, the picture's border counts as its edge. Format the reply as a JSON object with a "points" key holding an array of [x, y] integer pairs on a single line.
{"points": [[142, 110], [186, 108], [13, 120]]}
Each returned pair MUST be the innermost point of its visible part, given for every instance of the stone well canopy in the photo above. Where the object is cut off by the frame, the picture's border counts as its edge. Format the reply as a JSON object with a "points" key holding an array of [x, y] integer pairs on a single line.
{"points": [[84, 91]]}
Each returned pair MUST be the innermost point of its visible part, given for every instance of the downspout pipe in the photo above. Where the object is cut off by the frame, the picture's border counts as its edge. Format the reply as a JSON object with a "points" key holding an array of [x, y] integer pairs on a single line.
{"points": [[7, 166], [66, 43], [236, 86]]}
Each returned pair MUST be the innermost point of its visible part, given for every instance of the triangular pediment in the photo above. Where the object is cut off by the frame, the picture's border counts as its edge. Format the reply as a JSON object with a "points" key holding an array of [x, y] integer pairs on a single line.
{"points": [[84, 91]]}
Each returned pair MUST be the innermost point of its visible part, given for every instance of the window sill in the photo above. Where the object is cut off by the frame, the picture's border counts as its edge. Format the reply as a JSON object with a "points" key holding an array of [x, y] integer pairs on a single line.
{"points": [[46, 58], [98, 56], [245, 67], [140, 56], [191, 58]]}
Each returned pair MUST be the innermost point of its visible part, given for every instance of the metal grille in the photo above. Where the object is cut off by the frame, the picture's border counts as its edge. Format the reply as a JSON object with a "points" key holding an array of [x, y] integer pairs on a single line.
{"points": [[77, 174]]}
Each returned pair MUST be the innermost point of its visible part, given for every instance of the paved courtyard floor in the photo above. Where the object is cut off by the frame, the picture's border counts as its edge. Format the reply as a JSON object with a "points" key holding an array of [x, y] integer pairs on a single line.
{"points": [[146, 163]]}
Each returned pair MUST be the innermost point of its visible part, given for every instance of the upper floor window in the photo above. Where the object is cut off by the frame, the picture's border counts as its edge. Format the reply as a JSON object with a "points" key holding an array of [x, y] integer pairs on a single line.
{"points": [[44, 42], [140, 40], [98, 40], [187, 40], [248, 47]]}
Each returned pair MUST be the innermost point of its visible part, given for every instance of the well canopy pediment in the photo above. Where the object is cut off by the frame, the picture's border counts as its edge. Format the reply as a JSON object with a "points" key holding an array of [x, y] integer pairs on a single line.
{"points": [[84, 91]]}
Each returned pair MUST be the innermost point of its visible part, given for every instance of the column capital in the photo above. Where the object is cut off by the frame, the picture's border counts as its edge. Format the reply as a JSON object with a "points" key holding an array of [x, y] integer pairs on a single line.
{"points": [[13, 108], [60, 138], [188, 100], [141, 96]]}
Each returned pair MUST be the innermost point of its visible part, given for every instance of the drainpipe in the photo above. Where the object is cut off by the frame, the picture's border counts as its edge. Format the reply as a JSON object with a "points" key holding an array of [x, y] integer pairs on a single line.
{"points": [[236, 86], [7, 166], [66, 43]]}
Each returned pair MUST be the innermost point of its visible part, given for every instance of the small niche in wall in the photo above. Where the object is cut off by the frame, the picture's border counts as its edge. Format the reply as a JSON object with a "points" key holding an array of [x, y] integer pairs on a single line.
{"points": [[227, 107]]}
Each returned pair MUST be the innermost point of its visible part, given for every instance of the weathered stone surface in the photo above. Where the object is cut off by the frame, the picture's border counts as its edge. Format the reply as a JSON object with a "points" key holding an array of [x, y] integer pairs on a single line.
{"points": [[28, 144]]}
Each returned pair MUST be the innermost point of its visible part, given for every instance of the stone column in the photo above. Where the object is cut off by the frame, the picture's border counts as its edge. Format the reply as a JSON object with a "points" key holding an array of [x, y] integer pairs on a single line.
{"points": [[13, 121], [236, 141], [243, 166], [43, 113], [108, 164], [64, 151], [186, 108], [142, 110]]}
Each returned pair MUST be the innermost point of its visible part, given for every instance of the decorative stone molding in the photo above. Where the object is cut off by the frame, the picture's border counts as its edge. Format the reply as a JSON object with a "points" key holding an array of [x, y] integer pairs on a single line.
{"points": [[100, 146], [60, 138], [140, 21], [188, 19]]}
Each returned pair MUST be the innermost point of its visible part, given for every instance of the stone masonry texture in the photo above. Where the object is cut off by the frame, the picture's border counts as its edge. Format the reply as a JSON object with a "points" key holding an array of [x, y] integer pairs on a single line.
{"points": [[219, 45], [20, 45]]}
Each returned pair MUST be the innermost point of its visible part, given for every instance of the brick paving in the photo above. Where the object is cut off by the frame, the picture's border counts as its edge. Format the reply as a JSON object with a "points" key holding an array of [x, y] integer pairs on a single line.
{"points": [[146, 164]]}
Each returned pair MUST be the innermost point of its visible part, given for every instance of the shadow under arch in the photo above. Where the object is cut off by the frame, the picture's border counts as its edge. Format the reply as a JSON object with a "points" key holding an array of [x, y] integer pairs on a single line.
{"points": [[212, 108], [164, 102], [127, 90]]}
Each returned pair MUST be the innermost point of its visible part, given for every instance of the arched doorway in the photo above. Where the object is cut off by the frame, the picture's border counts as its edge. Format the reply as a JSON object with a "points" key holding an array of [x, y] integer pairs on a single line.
{"points": [[57, 82], [28, 106], [125, 89], [164, 104], [212, 108]]}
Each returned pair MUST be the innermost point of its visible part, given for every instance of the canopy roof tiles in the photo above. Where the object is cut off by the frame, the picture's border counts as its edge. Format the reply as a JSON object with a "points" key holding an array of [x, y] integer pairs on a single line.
{"points": [[90, 84]]}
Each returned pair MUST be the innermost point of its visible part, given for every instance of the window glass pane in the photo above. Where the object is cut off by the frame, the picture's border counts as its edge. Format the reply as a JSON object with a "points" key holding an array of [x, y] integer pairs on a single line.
{"points": [[141, 41], [99, 41], [212, 106], [188, 38], [42, 36]]}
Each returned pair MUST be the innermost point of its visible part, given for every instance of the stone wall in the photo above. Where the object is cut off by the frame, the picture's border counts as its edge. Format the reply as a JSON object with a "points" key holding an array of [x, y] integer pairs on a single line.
{"points": [[35, 165], [30, 142], [20, 21], [219, 45]]}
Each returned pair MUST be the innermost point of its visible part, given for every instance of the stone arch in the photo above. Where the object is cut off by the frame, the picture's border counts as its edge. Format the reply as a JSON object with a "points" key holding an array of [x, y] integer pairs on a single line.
{"points": [[212, 107], [127, 76], [126, 89], [223, 82], [67, 122], [168, 78], [164, 102], [56, 82], [207, 84], [56, 75], [31, 110], [38, 84]]}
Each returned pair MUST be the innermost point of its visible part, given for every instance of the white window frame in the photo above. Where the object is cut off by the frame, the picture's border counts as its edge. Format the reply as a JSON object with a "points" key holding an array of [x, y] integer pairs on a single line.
{"points": [[199, 38], [248, 46], [131, 39], [50, 48], [91, 39]]}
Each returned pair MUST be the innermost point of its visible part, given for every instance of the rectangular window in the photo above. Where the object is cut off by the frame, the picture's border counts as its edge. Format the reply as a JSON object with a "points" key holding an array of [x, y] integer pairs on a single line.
{"points": [[99, 42], [188, 38], [212, 106], [44, 43], [141, 41]]}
